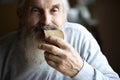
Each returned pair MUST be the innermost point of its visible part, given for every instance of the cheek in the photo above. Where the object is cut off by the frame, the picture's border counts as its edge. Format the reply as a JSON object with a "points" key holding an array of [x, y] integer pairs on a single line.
{"points": [[59, 20], [31, 21]]}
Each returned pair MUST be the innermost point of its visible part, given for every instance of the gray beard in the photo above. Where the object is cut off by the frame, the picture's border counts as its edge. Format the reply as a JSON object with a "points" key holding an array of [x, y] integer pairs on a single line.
{"points": [[31, 39], [35, 57]]}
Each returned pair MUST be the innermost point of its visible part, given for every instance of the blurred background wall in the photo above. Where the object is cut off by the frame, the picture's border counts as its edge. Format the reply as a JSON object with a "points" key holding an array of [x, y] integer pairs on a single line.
{"points": [[8, 17], [109, 29], [100, 17]]}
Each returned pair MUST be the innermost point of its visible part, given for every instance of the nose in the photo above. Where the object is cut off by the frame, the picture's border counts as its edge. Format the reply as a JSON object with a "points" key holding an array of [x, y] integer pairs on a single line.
{"points": [[46, 19]]}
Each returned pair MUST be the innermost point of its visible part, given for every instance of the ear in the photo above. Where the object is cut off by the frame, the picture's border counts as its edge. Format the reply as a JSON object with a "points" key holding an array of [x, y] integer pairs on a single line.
{"points": [[19, 12]]}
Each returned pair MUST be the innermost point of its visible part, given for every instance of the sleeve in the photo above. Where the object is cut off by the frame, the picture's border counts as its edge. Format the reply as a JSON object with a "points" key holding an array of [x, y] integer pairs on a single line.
{"points": [[96, 66]]}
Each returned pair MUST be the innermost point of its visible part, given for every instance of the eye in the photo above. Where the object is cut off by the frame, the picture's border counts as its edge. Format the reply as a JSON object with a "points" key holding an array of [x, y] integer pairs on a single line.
{"points": [[55, 10], [35, 10]]}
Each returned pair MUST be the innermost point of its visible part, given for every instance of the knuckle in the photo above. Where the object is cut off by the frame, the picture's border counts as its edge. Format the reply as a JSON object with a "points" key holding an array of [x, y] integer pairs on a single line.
{"points": [[57, 41], [65, 56], [61, 62], [52, 48], [59, 66], [50, 38]]}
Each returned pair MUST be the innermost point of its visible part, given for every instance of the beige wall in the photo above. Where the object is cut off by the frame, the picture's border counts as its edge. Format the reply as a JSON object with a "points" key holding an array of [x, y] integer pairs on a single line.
{"points": [[8, 19], [109, 29]]}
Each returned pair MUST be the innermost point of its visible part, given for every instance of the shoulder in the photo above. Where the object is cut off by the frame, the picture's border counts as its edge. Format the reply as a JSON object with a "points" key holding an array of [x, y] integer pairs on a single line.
{"points": [[77, 28], [74, 26], [7, 41], [79, 37]]}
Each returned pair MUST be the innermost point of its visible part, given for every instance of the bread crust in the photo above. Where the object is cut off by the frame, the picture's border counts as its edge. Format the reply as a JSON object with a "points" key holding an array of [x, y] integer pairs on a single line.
{"points": [[57, 33]]}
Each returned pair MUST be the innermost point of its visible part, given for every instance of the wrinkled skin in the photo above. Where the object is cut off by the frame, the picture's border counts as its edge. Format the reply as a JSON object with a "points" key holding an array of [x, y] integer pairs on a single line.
{"points": [[58, 53]]}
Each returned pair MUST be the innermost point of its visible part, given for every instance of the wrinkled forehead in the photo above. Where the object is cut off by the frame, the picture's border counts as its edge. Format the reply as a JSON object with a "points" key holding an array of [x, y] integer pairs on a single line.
{"points": [[44, 3]]}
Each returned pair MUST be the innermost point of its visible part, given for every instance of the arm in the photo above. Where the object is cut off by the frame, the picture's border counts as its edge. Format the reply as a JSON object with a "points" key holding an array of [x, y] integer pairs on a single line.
{"points": [[96, 66], [69, 62]]}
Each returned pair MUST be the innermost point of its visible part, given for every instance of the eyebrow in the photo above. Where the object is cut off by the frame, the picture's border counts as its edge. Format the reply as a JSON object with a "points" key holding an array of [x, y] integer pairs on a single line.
{"points": [[56, 5]]}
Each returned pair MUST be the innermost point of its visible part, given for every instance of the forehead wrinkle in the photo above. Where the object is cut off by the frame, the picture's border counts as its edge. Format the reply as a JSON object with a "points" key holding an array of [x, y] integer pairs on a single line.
{"points": [[45, 3]]}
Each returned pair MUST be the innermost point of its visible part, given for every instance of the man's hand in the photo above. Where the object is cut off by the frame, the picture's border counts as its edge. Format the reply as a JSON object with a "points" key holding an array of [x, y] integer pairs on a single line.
{"points": [[61, 56]]}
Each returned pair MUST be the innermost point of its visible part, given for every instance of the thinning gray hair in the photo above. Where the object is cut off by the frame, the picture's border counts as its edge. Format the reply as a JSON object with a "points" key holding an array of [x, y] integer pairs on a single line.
{"points": [[20, 4]]}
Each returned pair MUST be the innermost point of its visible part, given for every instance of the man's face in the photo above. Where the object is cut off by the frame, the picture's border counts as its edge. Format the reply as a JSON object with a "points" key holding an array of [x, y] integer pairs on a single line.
{"points": [[44, 13], [39, 13]]}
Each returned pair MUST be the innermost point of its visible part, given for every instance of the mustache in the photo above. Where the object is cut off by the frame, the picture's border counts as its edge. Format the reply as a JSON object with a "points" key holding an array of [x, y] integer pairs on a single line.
{"points": [[40, 28], [47, 27]]}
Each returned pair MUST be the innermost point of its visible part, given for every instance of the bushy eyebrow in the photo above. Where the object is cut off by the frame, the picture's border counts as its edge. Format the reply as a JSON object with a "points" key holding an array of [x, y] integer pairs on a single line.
{"points": [[56, 5]]}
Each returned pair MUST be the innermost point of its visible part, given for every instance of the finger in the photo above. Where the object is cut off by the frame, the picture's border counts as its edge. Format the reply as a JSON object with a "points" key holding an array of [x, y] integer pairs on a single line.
{"points": [[52, 57], [57, 41], [51, 63], [51, 49], [54, 63]]}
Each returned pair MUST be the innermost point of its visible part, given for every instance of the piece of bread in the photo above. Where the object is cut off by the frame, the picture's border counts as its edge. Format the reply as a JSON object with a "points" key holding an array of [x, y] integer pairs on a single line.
{"points": [[57, 33]]}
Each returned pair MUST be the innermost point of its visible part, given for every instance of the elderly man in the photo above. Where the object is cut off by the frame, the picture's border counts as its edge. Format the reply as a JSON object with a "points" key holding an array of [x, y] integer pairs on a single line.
{"points": [[29, 55]]}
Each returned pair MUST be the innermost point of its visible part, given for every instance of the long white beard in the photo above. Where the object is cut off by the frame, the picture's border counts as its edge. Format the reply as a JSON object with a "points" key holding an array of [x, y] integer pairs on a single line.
{"points": [[31, 39], [34, 56]]}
